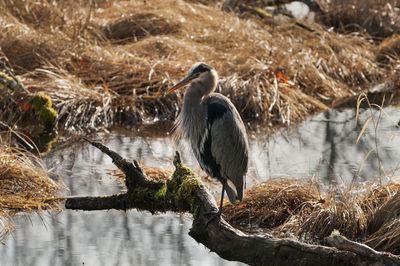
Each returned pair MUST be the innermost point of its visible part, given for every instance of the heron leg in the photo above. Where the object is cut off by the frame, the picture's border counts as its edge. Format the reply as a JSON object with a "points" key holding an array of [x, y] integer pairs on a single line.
{"points": [[219, 213]]}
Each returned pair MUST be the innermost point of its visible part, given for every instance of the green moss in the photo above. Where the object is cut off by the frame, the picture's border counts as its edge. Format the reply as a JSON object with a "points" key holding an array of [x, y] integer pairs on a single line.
{"points": [[142, 195], [161, 193], [178, 192], [8, 82], [40, 100], [335, 233], [181, 188], [179, 175], [5, 77], [186, 191], [48, 116], [42, 105], [337, 236], [44, 142]]}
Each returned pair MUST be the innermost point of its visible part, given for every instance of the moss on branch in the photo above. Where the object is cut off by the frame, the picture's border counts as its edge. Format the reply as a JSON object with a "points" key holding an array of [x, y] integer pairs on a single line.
{"points": [[178, 193]]}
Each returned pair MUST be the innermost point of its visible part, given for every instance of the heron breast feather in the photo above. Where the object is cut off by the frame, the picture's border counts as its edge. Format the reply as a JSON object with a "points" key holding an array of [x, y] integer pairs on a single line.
{"points": [[208, 162]]}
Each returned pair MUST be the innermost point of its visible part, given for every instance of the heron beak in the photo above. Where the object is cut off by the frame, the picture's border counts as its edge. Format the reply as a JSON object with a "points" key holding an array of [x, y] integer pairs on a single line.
{"points": [[180, 84]]}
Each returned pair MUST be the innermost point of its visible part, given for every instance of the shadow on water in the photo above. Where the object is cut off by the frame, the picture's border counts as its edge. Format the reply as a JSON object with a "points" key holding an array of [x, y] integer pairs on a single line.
{"points": [[323, 147]]}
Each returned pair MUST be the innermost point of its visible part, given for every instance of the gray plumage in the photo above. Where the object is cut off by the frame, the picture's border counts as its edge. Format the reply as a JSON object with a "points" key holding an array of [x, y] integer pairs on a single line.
{"points": [[215, 130]]}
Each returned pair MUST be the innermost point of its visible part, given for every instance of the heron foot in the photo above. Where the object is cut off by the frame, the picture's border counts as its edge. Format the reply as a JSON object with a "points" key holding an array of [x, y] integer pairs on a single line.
{"points": [[216, 215]]}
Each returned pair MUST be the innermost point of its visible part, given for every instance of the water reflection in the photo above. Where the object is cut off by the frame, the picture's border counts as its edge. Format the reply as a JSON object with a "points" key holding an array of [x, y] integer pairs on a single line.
{"points": [[323, 146], [109, 238], [102, 237]]}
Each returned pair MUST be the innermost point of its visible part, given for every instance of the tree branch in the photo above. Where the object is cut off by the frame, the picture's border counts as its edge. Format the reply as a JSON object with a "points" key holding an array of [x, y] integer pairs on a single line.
{"points": [[117, 202], [183, 192], [342, 243]]}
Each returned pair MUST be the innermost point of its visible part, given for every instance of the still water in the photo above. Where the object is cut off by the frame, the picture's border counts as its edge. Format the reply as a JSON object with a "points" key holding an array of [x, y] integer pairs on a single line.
{"points": [[323, 148], [102, 237]]}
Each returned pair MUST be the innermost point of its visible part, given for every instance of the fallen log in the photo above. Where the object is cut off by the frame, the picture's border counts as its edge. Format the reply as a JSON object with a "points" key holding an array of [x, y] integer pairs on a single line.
{"points": [[183, 192]]}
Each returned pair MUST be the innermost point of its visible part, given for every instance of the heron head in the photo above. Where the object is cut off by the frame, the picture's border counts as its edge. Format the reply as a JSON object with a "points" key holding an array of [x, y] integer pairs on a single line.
{"points": [[199, 72]]}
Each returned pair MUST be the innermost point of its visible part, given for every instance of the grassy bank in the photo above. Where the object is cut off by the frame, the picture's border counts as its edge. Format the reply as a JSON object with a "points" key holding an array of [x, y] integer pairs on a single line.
{"points": [[295, 208], [110, 62], [25, 187]]}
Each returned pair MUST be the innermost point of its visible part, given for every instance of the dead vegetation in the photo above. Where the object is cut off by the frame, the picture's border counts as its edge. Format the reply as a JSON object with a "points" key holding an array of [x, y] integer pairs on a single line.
{"points": [[295, 208], [379, 19], [137, 27], [376, 18], [389, 49], [25, 186], [153, 173], [109, 62]]}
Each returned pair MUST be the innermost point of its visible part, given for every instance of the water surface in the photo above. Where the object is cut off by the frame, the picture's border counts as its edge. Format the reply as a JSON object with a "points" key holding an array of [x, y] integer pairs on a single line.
{"points": [[101, 237], [323, 148]]}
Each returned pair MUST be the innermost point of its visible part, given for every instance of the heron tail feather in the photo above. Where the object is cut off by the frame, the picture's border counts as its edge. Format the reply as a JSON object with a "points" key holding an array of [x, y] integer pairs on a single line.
{"points": [[231, 191]]}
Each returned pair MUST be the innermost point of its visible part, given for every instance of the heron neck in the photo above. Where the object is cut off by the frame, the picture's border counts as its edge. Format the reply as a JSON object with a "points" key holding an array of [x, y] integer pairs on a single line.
{"points": [[192, 115], [192, 99]]}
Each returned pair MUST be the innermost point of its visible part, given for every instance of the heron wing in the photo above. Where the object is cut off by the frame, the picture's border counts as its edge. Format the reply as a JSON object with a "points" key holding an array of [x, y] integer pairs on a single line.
{"points": [[227, 143]]}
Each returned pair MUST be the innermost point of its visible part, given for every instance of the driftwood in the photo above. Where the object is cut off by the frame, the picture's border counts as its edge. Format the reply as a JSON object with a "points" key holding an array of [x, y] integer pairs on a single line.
{"points": [[341, 242], [184, 193]]}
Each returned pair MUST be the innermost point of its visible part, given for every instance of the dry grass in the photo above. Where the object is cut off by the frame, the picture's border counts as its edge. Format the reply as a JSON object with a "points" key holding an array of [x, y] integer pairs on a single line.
{"points": [[294, 208], [272, 203], [389, 49], [107, 63], [154, 173], [378, 18], [24, 187], [387, 238], [374, 196]]}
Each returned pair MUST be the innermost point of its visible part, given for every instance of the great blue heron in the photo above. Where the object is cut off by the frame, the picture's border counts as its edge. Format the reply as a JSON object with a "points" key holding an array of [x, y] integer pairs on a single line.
{"points": [[215, 130]]}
